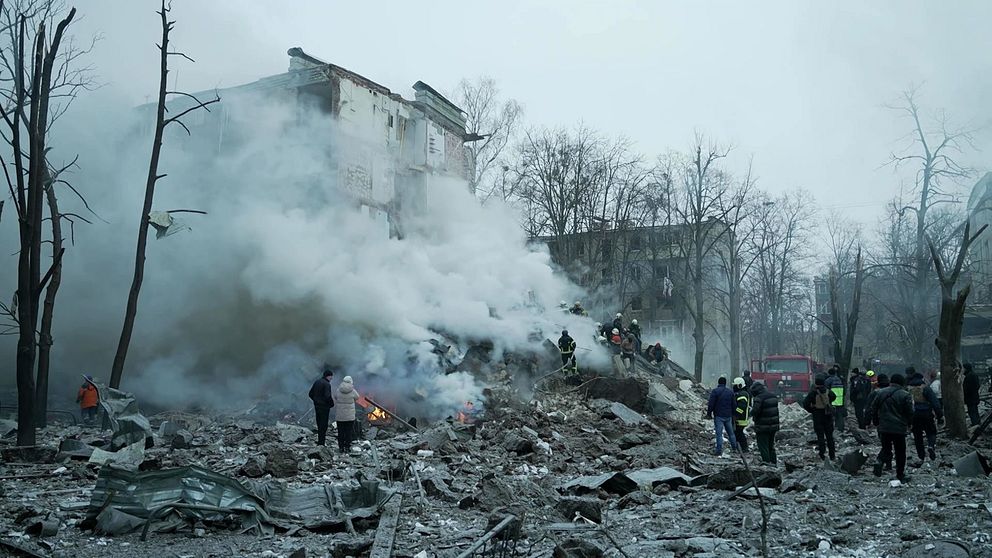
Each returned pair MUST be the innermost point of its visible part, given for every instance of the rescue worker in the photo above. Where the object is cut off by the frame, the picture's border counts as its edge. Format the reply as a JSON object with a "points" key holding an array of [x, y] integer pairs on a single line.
{"points": [[578, 310], [742, 412], [819, 404], [893, 408], [567, 347], [344, 413], [322, 396], [860, 390], [971, 387], [764, 413], [605, 330], [925, 408], [88, 399], [836, 385], [627, 348], [615, 340], [872, 378], [636, 331], [720, 407], [618, 322]]}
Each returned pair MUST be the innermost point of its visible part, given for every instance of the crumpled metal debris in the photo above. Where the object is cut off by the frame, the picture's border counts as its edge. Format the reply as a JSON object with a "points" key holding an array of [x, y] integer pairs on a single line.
{"points": [[169, 495], [127, 423], [165, 224]]}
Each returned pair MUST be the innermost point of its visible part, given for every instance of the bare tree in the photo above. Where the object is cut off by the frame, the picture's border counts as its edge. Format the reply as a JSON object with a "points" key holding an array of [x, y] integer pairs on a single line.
{"points": [[701, 210], [948, 341], [491, 122], [931, 153], [34, 72], [161, 122], [780, 284]]}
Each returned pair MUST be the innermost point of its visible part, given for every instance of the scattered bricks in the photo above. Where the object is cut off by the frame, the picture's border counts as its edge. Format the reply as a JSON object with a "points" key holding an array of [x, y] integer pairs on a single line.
{"points": [[590, 508]]}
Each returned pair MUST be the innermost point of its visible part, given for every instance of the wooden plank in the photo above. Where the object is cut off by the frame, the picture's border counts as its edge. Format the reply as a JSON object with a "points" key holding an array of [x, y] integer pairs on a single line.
{"points": [[382, 547]]}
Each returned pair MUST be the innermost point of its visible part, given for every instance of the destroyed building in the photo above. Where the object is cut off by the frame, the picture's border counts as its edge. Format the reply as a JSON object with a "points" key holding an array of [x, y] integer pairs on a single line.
{"points": [[642, 272], [383, 151]]}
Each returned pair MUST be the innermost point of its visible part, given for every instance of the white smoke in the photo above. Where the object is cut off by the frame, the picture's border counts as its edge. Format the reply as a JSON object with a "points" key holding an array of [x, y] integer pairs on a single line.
{"points": [[284, 273]]}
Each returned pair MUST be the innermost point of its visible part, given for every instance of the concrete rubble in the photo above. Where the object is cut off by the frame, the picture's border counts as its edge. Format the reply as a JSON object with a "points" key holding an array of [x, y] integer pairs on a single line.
{"points": [[565, 473]]}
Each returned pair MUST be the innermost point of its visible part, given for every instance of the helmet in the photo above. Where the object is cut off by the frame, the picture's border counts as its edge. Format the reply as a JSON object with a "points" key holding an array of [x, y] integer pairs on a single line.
{"points": [[599, 325], [634, 321], [619, 315], [739, 382], [870, 373], [577, 303], [616, 331], [564, 332]]}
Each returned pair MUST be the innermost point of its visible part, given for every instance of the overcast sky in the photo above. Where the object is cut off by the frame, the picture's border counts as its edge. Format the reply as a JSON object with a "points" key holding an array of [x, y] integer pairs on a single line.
{"points": [[800, 86]]}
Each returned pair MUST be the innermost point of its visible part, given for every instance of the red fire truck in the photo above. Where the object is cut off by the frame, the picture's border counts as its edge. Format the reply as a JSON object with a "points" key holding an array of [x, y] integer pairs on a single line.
{"points": [[791, 374]]}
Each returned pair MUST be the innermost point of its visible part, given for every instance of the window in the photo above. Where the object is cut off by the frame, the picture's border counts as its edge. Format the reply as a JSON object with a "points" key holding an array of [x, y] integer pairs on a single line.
{"points": [[635, 303], [635, 242], [389, 121], [635, 273]]}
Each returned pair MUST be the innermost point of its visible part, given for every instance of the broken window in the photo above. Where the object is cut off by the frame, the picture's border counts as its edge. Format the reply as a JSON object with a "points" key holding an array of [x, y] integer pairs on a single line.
{"points": [[635, 303], [636, 243]]}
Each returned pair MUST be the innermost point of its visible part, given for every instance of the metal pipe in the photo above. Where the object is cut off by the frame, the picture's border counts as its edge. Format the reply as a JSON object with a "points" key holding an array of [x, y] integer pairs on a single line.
{"points": [[485, 538]]}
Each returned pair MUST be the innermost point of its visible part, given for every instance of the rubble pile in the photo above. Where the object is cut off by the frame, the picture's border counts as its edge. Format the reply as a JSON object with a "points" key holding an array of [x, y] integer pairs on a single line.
{"points": [[618, 466]]}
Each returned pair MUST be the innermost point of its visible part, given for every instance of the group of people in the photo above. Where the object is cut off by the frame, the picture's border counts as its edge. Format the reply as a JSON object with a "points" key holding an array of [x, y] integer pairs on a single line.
{"points": [[343, 400], [894, 406], [625, 340], [733, 409]]}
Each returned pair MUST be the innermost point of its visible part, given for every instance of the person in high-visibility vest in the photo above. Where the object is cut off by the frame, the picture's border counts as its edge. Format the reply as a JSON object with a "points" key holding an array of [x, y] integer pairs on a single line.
{"points": [[836, 386], [742, 412]]}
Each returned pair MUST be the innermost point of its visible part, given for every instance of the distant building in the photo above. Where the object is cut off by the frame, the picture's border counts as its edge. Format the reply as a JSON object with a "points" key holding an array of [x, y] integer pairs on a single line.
{"points": [[384, 151], [640, 272], [976, 339]]}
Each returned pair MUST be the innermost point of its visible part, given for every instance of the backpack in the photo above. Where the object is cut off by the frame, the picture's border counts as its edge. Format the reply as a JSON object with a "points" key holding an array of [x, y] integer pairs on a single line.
{"points": [[822, 402], [917, 392]]}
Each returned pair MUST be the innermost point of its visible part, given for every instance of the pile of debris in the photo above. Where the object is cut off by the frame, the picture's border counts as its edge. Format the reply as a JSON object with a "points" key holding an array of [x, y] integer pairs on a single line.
{"points": [[615, 466]]}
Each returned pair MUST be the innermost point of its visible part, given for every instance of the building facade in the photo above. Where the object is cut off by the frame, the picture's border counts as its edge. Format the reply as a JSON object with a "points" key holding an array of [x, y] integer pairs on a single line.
{"points": [[642, 273], [383, 151]]}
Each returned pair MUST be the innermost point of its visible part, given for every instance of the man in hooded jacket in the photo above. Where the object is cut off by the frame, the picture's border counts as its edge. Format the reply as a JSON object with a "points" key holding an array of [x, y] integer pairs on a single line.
{"points": [[926, 407], [892, 408], [819, 404], [764, 412], [322, 395]]}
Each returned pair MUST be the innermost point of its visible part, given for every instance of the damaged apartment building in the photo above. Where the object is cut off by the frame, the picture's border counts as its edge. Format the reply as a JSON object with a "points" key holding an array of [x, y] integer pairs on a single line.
{"points": [[641, 271], [384, 152]]}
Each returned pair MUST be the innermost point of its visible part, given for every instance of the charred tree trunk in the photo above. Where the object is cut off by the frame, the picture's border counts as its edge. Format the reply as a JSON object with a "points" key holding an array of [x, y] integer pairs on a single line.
{"points": [[48, 310], [948, 343], [117, 371], [948, 339], [131, 312], [30, 184]]}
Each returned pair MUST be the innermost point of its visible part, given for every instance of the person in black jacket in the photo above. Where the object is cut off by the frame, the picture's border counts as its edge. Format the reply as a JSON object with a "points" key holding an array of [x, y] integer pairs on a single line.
{"points": [[818, 403], [764, 412], [567, 347], [971, 386], [322, 396], [893, 407], [925, 408], [860, 390]]}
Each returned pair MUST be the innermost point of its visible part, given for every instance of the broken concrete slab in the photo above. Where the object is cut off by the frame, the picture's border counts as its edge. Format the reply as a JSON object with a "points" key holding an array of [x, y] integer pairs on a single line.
{"points": [[281, 462], [729, 478], [614, 483], [74, 449], [973, 464], [129, 457], [650, 478], [182, 439], [852, 462], [632, 392], [291, 433], [629, 416]]}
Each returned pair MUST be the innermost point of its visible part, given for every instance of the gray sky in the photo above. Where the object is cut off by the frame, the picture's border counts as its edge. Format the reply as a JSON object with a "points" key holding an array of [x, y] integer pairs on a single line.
{"points": [[800, 86]]}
